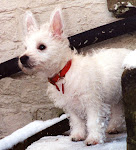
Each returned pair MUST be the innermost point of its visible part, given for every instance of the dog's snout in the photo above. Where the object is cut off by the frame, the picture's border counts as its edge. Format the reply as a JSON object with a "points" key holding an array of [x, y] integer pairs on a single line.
{"points": [[24, 59]]}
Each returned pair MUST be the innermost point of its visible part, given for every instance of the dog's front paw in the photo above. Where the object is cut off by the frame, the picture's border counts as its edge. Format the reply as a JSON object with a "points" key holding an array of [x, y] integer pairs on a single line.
{"points": [[77, 137], [93, 140]]}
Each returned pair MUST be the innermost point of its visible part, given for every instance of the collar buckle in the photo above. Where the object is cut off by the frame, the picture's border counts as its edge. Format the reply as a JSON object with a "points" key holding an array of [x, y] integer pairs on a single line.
{"points": [[60, 75]]}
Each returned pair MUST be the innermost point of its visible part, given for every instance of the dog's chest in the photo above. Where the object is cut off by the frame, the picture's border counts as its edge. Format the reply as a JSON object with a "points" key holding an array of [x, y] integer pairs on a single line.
{"points": [[70, 100], [76, 89]]}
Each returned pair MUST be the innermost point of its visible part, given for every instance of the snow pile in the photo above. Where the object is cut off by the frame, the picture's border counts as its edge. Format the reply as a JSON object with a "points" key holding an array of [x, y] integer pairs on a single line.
{"points": [[27, 131], [130, 60], [119, 4], [130, 4], [118, 142]]}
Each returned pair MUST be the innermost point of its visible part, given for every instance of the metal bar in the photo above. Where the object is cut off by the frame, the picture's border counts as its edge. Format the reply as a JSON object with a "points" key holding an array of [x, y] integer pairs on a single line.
{"points": [[9, 67], [103, 32], [81, 40]]}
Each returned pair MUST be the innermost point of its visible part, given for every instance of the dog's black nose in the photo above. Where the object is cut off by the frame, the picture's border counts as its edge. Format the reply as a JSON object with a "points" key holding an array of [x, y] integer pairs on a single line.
{"points": [[24, 59]]}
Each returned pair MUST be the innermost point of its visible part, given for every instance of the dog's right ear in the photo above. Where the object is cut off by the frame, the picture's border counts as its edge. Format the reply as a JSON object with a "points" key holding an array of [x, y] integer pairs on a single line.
{"points": [[56, 23], [30, 23]]}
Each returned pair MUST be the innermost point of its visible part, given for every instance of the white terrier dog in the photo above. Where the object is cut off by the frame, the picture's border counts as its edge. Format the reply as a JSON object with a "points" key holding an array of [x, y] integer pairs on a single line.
{"points": [[88, 88]]}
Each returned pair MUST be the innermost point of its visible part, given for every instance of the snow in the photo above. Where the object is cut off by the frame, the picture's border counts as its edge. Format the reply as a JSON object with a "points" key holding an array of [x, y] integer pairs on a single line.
{"points": [[130, 60], [129, 4], [27, 131], [116, 142]]}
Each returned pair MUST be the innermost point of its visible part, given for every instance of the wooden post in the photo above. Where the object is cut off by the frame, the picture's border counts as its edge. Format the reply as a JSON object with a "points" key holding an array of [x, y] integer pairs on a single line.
{"points": [[122, 8], [129, 99]]}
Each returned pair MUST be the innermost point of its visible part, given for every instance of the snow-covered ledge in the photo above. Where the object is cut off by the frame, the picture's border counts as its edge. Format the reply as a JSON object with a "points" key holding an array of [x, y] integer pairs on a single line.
{"points": [[50, 134], [114, 142], [129, 98], [130, 60], [22, 138]]}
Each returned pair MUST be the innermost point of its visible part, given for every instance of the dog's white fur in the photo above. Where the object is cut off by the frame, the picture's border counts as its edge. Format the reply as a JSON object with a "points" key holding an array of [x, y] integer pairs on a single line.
{"points": [[92, 85]]}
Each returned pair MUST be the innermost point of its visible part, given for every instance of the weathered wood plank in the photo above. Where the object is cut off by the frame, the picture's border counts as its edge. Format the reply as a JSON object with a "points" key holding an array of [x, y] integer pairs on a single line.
{"points": [[122, 8], [129, 99]]}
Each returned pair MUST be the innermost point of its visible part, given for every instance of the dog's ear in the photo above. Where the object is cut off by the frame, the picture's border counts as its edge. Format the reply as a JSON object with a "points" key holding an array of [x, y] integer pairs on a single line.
{"points": [[56, 24], [30, 23]]}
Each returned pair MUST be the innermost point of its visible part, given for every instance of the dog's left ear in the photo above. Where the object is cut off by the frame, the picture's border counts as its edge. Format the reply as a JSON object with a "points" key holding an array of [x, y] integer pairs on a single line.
{"points": [[30, 23], [56, 24]]}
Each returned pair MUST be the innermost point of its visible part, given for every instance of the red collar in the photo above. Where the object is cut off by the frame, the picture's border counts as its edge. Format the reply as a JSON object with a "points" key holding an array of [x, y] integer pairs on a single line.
{"points": [[60, 75]]}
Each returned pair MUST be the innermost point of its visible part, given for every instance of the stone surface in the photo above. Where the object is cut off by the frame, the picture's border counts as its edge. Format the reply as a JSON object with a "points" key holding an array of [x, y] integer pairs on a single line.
{"points": [[23, 98]]}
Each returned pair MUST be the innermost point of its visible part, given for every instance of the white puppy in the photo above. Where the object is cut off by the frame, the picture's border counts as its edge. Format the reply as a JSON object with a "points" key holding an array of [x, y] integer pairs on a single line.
{"points": [[88, 88]]}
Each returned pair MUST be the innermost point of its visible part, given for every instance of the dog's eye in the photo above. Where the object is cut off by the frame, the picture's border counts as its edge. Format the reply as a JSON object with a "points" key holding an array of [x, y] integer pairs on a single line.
{"points": [[41, 47]]}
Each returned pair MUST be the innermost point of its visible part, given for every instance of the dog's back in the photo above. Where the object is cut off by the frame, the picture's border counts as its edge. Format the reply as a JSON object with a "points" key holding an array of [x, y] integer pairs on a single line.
{"points": [[108, 70], [99, 73]]}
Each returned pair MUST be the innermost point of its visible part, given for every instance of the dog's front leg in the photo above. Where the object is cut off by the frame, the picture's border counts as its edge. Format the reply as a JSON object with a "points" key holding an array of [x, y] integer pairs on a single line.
{"points": [[95, 127], [78, 129]]}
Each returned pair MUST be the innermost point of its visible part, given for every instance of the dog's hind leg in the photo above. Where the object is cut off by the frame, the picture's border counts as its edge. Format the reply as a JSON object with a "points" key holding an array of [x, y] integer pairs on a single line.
{"points": [[97, 121], [117, 121]]}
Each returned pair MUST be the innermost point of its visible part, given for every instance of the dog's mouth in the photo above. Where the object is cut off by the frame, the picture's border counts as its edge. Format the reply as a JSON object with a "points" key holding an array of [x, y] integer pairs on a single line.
{"points": [[28, 66]]}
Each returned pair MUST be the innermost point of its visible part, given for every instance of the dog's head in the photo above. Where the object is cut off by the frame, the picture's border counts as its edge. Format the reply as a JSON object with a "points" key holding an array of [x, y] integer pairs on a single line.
{"points": [[47, 49]]}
